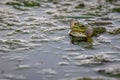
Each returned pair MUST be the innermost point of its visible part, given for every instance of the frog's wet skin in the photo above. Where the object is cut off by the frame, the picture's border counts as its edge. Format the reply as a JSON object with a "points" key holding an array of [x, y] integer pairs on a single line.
{"points": [[80, 32]]}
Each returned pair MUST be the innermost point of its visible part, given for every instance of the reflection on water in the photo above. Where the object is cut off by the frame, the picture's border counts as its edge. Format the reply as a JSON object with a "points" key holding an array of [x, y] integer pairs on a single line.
{"points": [[83, 41]]}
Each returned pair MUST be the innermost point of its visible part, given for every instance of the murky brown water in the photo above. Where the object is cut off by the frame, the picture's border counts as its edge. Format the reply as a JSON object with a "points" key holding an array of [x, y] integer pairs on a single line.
{"points": [[35, 45]]}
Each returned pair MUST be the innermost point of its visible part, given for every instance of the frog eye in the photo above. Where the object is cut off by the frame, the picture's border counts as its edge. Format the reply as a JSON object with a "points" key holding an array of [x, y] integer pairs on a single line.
{"points": [[81, 26], [75, 23]]}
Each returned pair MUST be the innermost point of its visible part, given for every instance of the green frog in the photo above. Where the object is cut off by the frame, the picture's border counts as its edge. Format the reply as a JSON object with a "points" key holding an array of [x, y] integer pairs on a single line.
{"points": [[80, 32]]}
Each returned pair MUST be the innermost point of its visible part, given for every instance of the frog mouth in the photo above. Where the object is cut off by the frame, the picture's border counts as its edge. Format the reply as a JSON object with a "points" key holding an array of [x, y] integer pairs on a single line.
{"points": [[77, 34]]}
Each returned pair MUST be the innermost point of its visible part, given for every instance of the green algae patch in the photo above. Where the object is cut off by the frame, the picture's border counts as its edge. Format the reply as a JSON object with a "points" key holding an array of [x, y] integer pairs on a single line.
{"points": [[19, 4], [111, 1], [116, 9], [74, 17], [89, 79], [98, 30], [115, 31], [14, 3], [100, 23], [92, 78]]}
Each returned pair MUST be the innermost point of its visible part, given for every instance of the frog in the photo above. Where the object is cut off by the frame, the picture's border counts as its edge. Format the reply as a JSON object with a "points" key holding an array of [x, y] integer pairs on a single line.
{"points": [[80, 32]]}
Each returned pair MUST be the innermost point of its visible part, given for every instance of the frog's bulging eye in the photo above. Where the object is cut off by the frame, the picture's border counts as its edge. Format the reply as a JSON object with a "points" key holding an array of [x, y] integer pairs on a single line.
{"points": [[82, 26], [75, 23]]}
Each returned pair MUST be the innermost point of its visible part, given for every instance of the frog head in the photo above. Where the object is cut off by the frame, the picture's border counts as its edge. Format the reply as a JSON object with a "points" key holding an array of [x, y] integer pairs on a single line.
{"points": [[80, 30], [77, 27]]}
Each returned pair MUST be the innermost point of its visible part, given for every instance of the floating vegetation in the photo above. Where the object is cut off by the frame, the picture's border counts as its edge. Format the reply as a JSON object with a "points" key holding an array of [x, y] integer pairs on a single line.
{"points": [[112, 71], [21, 4], [100, 23], [111, 1], [35, 41], [50, 0], [116, 9], [98, 30], [87, 78], [115, 31], [74, 17], [92, 60]]}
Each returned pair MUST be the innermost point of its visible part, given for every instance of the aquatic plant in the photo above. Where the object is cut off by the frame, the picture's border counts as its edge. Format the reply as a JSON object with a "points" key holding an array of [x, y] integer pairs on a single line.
{"points": [[86, 78], [115, 31], [98, 30], [100, 23], [116, 9], [75, 17], [21, 4], [111, 1]]}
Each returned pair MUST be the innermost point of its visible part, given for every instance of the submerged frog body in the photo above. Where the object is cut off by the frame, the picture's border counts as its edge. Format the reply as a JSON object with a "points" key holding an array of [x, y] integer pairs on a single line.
{"points": [[80, 32]]}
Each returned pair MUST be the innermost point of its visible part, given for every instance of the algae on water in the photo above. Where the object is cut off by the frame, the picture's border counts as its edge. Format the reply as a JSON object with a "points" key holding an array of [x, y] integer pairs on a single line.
{"points": [[21, 4]]}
